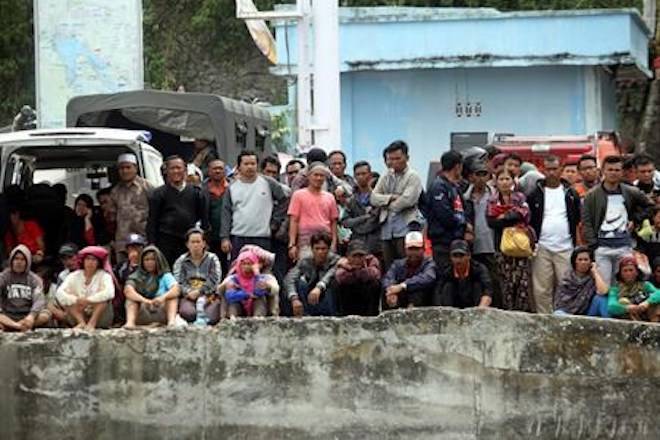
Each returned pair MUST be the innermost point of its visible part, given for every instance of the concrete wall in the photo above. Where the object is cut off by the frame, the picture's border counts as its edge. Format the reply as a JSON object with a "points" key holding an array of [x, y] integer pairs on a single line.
{"points": [[435, 373]]}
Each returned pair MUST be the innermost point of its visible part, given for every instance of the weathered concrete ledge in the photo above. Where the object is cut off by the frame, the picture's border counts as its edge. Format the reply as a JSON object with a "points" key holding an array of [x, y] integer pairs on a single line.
{"points": [[425, 374]]}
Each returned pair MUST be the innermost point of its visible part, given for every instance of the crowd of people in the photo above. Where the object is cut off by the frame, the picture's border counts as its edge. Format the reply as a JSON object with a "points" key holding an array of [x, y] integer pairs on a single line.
{"points": [[490, 231]]}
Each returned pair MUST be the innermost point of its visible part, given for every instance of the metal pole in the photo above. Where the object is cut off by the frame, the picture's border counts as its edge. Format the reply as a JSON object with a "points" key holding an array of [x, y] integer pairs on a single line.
{"points": [[304, 89], [326, 90]]}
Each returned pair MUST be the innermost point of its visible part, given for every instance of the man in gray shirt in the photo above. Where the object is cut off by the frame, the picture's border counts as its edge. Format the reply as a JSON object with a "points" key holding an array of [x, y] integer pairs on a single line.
{"points": [[252, 208]]}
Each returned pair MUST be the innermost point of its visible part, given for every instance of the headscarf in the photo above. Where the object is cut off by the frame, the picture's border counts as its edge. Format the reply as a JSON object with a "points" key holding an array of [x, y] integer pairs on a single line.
{"points": [[631, 292], [266, 259], [26, 253], [144, 282], [247, 280], [100, 253], [574, 293]]}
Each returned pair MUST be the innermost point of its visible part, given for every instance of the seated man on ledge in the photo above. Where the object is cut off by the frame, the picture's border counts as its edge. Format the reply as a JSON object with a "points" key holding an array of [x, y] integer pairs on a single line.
{"points": [[410, 281], [465, 282]]}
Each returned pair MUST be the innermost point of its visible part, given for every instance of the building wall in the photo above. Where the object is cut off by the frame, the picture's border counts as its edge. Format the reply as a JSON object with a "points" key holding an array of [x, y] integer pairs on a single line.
{"points": [[419, 106]]}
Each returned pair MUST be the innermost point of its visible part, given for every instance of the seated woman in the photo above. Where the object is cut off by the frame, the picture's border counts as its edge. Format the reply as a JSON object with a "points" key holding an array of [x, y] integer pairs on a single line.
{"points": [[86, 228], [198, 273], [151, 291], [631, 297], [248, 291], [309, 283], [86, 294], [582, 290], [22, 301]]}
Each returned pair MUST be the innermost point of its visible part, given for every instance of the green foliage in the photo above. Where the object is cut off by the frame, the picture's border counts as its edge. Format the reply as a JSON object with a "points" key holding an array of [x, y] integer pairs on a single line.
{"points": [[16, 58]]}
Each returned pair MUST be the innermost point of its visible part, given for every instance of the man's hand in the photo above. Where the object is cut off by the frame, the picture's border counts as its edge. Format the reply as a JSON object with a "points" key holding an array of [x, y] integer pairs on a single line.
{"points": [[193, 294], [391, 299], [634, 312], [293, 253], [297, 307], [225, 246], [394, 289], [314, 296], [26, 324]]}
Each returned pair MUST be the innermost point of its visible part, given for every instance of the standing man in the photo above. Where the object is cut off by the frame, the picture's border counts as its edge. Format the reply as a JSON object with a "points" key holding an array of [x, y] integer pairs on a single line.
{"points": [[249, 207], [445, 212], [645, 175], [483, 246], [270, 167], [397, 195], [555, 212], [292, 169], [609, 213], [213, 189], [312, 210], [588, 168], [337, 164], [130, 200], [360, 217], [174, 208]]}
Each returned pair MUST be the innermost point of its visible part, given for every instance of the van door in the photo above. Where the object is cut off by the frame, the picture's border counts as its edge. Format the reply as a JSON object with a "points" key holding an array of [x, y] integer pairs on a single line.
{"points": [[152, 163]]}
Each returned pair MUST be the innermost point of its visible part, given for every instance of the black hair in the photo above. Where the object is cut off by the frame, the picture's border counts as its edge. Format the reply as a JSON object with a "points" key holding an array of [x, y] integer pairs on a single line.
{"points": [[492, 151], [245, 153], [360, 164], [580, 250], [316, 155], [172, 158], [584, 158], [295, 161], [103, 192], [396, 146], [273, 160], [195, 230], [552, 159], [643, 159], [85, 198], [514, 156], [629, 162], [450, 160], [320, 236], [375, 176], [613, 159], [341, 153]]}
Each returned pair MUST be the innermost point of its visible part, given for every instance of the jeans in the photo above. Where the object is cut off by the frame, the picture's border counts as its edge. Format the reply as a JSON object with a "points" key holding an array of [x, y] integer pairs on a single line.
{"points": [[607, 261], [597, 308], [326, 306]]}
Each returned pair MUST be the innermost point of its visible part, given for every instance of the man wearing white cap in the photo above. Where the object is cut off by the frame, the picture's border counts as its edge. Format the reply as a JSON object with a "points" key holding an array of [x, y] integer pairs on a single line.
{"points": [[410, 281], [131, 202]]}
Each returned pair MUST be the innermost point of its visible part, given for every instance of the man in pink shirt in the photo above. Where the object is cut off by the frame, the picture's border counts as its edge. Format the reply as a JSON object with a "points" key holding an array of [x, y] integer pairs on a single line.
{"points": [[311, 210]]}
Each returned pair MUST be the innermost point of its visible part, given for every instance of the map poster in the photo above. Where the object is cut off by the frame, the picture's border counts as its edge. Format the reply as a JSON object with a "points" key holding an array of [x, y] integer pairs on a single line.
{"points": [[85, 47]]}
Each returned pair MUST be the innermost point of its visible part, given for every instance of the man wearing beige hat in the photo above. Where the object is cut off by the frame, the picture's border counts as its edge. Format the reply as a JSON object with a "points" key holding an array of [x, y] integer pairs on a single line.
{"points": [[130, 200], [410, 281]]}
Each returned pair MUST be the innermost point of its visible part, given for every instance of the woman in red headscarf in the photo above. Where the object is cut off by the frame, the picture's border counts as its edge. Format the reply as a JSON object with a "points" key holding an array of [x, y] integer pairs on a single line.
{"points": [[86, 294], [630, 297]]}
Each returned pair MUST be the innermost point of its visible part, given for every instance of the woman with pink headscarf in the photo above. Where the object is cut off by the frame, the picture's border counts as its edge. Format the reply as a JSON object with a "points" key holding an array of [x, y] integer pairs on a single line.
{"points": [[86, 294], [248, 292]]}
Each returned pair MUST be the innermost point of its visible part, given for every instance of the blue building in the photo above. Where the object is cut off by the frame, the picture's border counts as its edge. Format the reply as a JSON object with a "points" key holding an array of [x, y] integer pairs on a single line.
{"points": [[423, 74]]}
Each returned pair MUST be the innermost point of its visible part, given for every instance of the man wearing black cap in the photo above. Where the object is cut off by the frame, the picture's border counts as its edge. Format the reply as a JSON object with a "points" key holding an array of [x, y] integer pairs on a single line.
{"points": [[465, 283], [67, 254], [134, 245], [358, 281]]}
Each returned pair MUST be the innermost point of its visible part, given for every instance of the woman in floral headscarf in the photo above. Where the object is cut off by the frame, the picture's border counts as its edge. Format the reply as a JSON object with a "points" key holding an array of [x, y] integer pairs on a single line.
{"points": [[248, 292], [632, 298], [86, 294]]}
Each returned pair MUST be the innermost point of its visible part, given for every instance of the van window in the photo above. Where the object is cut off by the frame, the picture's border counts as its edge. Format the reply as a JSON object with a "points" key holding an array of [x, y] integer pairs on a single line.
{"points": [[241, 135]]}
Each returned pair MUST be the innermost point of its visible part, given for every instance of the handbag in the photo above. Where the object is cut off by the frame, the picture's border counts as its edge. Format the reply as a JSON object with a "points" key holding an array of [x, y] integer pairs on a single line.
{"points": [[516, 242]]}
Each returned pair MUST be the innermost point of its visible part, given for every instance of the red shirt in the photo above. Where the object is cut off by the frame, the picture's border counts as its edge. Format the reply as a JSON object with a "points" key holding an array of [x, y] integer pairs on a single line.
{"points": [[31, 233]]}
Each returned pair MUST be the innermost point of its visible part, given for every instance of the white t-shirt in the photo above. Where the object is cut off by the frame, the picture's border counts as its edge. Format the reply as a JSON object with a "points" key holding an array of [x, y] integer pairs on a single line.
{"points": [[555, 234]]}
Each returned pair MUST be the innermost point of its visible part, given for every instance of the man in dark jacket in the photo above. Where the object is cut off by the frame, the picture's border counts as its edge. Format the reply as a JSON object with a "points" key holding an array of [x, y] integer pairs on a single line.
{"points": [[555, 213], [174, 208], [360, 216], [358, 281], [411, 281], [465, 283], [609, 214], [445, 208]]}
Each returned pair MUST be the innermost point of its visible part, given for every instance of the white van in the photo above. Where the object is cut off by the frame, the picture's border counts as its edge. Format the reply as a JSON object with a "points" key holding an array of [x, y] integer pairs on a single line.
{"points": [[83, 159]]}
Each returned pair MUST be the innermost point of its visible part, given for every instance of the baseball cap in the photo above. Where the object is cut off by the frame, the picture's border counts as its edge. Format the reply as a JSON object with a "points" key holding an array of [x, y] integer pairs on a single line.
{"points": [[356, 247], [136, 240], [68, 250], [414, 239], [459, 247]]}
